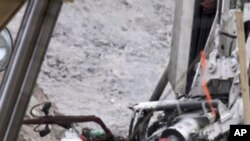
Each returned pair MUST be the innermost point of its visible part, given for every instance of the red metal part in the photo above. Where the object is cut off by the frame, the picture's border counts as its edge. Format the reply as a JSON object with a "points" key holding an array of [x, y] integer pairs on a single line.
{"points": [[64, 121], [164, 139], [83, 138], [208, 4]]}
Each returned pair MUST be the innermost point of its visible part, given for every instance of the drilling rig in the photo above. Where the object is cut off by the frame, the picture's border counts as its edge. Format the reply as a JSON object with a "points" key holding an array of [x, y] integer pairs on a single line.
{"points": [[208, 71]]}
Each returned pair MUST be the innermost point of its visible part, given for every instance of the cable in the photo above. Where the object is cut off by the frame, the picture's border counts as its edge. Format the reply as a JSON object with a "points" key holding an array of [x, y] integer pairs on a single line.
{"points": [[32, 109], [204, 84], [228, 35]]}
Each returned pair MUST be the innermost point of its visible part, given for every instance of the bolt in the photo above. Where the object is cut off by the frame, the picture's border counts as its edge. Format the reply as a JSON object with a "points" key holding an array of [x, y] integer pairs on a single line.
{"points": [[211, 67], [233, 64]]}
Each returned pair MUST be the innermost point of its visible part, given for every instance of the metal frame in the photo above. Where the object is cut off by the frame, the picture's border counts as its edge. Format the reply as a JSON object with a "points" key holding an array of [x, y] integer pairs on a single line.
{"points": [[181, 45], [21, 74]]}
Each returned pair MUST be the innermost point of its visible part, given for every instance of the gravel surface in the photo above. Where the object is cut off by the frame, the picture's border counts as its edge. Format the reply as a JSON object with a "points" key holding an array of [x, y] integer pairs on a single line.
{"points": [[106, 55]]}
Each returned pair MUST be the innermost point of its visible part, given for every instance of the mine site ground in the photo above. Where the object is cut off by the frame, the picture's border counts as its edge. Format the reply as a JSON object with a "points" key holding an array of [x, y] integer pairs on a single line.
{"points": [[106, 55]]}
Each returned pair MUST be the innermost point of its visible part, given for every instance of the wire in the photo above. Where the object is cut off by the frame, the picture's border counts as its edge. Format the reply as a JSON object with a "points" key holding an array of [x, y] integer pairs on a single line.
{"points": [[32, 109], [36, 128], [204, 83], [228, 35]]}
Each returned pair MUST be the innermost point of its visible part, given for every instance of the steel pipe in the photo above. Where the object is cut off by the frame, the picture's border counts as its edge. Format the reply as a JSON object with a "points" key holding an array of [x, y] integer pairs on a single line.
{"points": [[15, 73], [32, 72], [160, 87], [171, 104]]}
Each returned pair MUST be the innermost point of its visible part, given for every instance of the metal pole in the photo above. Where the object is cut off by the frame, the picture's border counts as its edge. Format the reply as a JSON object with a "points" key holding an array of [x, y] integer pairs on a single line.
{"points": [[159, 89], [25, 93], [173, 104], [243, 66], [15, 73]]}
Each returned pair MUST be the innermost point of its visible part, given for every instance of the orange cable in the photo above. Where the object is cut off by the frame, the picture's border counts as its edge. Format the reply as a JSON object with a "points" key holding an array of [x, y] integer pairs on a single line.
{"points": [[204, 83]]}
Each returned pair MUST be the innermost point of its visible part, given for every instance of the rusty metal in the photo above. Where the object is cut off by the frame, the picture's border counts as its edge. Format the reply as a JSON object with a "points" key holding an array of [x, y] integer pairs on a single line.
{"points": [[66, 121]]}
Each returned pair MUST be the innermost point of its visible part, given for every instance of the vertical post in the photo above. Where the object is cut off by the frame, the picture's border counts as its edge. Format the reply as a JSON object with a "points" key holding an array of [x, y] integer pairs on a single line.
{"points": [[243, 66], [181, 44], [160, 87], [50, 18], [16, 70]]}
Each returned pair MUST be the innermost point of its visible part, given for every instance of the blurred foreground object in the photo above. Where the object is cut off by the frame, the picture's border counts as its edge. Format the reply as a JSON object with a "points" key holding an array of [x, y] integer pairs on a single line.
{"points": [[8, 9], [6, 47]]}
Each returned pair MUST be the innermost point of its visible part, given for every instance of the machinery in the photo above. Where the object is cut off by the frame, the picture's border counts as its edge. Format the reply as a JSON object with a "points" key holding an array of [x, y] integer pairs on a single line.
{"points": [[205, 72]]}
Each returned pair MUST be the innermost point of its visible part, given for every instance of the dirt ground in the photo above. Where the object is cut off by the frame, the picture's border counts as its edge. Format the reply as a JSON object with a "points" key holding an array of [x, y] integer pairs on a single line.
{"points": [[106, 55]]}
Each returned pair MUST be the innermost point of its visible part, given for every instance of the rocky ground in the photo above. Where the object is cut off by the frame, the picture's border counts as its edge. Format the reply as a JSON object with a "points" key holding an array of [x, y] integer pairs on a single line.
{"points": [[106, 55]]}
